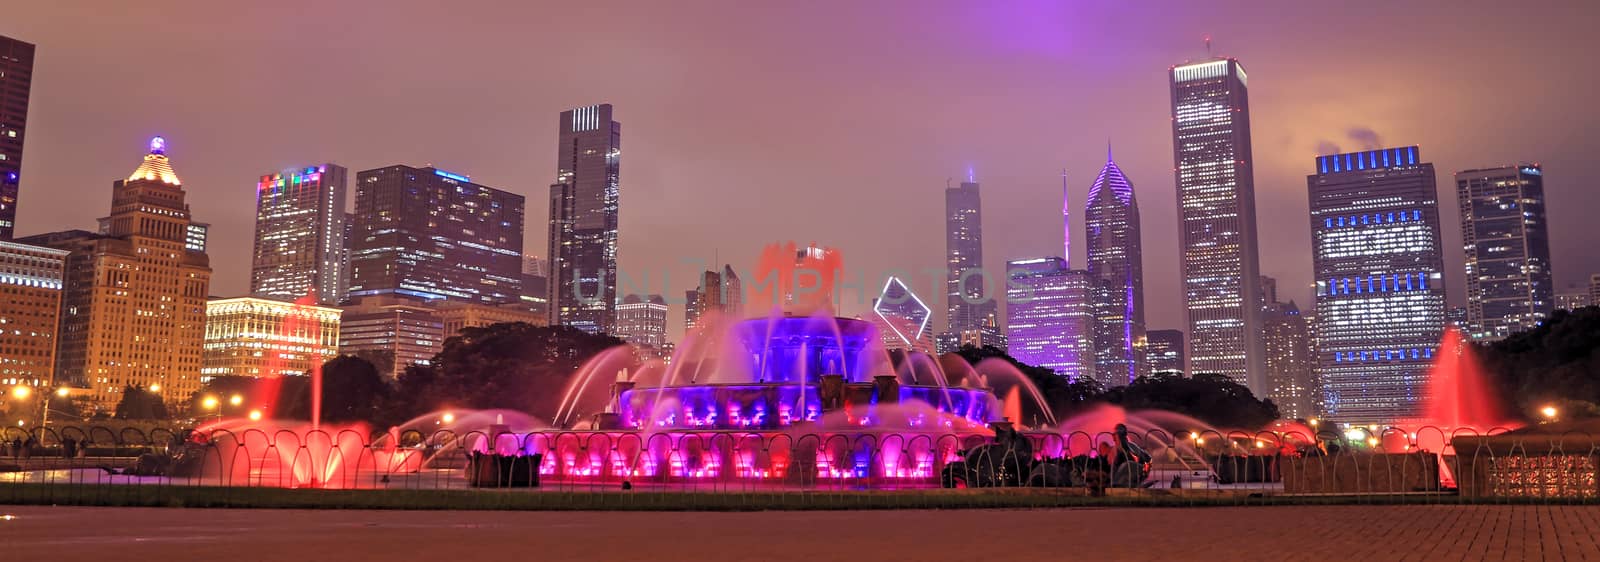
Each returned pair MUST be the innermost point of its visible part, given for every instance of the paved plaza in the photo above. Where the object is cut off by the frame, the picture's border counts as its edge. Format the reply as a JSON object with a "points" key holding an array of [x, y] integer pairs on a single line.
{"points": [[1362, 533]]}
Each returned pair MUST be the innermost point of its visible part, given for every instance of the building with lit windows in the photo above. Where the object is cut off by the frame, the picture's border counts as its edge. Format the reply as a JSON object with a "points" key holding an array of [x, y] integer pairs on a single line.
{"points": [[1380, 292], [300, 228], [432, 234], [30, 305], [16, 79], [969, 308], [1507, 243], [1572, 300], [536, 287], [642, 321], [1116, 267], [1164, 352], [391, 331], [902, 318], [134, 308], [1291, 368], [256, 337], [1594, 290], [460, 315], [584, 203], [1217, 213], [1049, 317]]}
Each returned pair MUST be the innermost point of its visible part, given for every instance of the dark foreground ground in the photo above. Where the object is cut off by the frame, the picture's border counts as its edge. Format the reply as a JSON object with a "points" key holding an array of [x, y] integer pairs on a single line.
{"points": [[1360, 533]]}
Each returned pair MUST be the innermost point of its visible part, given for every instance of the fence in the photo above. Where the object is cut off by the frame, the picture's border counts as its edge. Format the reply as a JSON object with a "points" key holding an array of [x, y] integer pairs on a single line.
{"points": [[908, 468]]}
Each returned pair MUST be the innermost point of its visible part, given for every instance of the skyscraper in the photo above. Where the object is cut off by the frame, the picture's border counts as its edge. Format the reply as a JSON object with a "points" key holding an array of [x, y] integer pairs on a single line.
{"points": [[720, 293], [1594, 289], [299, 245], [642, 321], [1116, 268], [536, 286], [1217, 210], [134, 310], [1164, 352], [1378, 266], [16, 79], [969, 308], [1049, 319], [1291, 370], [583, 219], [1507, 243], [433, 234]]}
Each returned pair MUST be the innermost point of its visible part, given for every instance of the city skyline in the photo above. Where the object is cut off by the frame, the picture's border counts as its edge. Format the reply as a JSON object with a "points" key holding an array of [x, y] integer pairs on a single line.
{"points": [[1292, 117]]}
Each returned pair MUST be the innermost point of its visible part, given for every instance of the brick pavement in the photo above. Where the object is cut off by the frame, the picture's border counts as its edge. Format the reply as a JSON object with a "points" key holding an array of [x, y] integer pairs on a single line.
{"points": [[1363, 533]]}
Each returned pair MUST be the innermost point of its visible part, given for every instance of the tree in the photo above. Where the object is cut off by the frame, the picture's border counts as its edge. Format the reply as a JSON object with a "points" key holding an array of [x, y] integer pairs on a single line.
{"points": [[1211, 398], [140, 404], [352, 390], [514, 366], [1556, 362]]}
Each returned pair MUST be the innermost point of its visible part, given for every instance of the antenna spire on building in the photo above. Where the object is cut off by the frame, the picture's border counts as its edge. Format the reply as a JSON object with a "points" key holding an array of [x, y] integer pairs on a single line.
{"points": [[1066, 223]]}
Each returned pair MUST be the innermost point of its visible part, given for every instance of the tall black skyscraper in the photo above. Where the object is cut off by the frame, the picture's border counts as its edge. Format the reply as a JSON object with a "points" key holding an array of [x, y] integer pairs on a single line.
{"points": [[1116, 266], [432, 234], [1217, 214], [969, 308], [583, 220], [16, 78], [1507, 244]]}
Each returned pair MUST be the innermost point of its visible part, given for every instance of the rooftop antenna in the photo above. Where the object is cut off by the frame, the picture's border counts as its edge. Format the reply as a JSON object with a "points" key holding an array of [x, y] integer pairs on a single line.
{"points": [[1208, 46], [1066, 223], [971, 178], [947, 183]]}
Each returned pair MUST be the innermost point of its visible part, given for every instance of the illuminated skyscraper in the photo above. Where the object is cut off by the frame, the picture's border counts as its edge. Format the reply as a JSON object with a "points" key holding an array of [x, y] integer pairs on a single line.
{"points": [[16, 79], [1594, 290], [1507, 242], [969, 308], [642, 321], [583, 219], [1164, 352], [536, 286], [1217, 213], [1380, 284], [299, 248], [1049, 319], [134, 309], [256, 337], [1111, 220], [433, 234], [1290, 366]]}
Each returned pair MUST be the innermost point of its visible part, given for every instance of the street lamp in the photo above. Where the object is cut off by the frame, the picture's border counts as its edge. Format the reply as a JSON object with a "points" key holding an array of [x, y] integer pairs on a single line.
{"points": [[21, 392], [255, 415], [1549, 413], [236, 400]]}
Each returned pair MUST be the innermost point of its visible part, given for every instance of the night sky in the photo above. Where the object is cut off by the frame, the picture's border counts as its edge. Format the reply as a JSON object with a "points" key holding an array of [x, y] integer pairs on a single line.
{"points": [[839, 122]]}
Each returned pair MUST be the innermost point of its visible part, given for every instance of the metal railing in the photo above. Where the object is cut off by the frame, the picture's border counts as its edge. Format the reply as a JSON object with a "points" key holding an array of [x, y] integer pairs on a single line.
{"points": [[1039, 468]]}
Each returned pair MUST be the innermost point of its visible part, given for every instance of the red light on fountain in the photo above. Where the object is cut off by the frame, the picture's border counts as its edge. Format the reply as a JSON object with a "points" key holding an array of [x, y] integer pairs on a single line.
{"points": [[1458, 394]]}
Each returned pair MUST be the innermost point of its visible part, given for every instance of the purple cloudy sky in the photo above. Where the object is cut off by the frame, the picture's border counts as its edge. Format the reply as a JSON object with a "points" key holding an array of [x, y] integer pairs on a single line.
{"points": [[838, 122]]}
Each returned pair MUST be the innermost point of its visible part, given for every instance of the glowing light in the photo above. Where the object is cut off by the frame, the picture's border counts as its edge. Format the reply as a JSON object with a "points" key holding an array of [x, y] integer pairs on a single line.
{"points": [[236, 400], [448, 417], [1313, 422], [1372, 441], [62, 392], [155, 388], [209, 402], [21, 392], [1549, 412], [255, 415], [158, 145]]}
